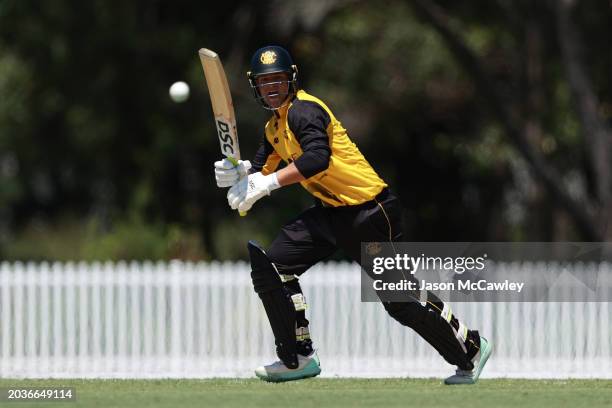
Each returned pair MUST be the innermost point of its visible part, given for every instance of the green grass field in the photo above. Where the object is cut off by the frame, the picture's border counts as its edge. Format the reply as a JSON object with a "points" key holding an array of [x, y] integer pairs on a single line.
{"points": [[322, 393]]}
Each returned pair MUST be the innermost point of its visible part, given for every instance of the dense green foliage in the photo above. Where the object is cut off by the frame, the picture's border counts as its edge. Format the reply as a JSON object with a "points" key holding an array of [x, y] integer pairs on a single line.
{"points": [[96, 162]]}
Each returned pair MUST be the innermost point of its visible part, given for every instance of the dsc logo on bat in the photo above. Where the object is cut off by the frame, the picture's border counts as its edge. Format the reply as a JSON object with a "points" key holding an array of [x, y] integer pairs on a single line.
{"points": [[225, 131]]}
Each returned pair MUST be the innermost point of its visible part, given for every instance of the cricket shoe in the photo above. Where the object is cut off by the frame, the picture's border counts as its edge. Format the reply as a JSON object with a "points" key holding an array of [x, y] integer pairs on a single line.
{"points": [[471, 376], [308, 366]]}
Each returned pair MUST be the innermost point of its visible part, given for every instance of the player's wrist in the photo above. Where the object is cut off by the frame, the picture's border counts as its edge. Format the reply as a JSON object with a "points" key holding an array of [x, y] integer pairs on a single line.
{"points": [[272, 182]]}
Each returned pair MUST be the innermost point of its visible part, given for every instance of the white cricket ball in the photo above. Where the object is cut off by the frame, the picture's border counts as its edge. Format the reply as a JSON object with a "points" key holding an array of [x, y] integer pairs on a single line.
{"points": [[179, 91]]}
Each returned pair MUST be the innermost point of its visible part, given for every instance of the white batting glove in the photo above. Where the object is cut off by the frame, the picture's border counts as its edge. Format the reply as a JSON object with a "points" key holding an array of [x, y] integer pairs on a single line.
{"points": [[227, 174], [249, 189]]}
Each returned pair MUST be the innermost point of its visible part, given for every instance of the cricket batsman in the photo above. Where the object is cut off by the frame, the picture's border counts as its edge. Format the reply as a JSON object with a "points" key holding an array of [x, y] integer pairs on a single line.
{"points": [[353, 205]]}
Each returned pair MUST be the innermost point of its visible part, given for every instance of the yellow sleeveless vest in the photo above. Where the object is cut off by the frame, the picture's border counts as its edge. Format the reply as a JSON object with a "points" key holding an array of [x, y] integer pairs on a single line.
{"points": [[349, 179]]}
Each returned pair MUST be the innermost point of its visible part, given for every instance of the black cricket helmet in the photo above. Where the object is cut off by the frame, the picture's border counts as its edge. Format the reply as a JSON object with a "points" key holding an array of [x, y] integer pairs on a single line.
{"points": [[272, 59]]}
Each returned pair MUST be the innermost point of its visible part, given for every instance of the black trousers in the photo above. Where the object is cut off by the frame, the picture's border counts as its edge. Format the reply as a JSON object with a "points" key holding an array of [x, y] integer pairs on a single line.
{"points": [[320, 231]]}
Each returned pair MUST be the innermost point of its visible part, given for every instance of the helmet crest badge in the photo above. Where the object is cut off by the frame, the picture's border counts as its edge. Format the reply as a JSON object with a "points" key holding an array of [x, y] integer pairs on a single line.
{"points": [[268, 57]]}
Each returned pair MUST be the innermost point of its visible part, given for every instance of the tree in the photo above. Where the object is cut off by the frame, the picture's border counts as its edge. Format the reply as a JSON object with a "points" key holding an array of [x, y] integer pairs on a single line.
{"points": [[590, 212]]}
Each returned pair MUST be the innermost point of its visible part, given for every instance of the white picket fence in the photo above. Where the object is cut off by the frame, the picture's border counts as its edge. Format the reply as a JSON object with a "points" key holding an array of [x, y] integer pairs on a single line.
{"points": [[146, 320]]}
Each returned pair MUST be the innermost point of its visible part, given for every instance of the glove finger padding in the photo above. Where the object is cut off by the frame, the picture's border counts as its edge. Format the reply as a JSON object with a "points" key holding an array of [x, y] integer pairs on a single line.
{"points": [[235, 202], [226, 181], [244, 206], [226, 174], [224, 164], [244, 167], [236, 193]]}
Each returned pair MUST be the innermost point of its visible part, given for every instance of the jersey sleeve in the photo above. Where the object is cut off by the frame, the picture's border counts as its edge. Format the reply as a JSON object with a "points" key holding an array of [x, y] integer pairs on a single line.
{"points": [[266, 159], [309, 121]]}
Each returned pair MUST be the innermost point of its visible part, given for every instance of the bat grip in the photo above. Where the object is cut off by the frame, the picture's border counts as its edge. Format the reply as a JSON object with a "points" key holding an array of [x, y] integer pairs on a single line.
{"points": [[235, 163]]}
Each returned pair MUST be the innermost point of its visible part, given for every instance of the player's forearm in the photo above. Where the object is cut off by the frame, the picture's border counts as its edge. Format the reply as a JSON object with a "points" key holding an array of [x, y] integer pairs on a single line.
{"points": [[289, 175]]}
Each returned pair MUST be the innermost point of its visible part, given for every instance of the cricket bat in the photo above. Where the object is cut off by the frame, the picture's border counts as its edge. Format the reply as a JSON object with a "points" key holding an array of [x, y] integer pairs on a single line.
{"points": [[223, 107]]}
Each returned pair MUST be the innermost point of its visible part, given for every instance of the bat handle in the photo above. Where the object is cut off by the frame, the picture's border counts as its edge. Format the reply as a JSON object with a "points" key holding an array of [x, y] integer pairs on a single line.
{"points": [[235, 163]]}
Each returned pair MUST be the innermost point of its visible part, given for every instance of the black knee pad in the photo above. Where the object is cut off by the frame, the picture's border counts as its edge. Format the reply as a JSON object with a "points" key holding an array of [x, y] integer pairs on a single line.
{"points": [[263, 272]]}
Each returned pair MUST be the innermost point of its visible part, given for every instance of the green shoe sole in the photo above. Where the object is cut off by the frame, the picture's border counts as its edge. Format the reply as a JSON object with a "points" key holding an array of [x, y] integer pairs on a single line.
{"points": [[485, 351], [312, 369]]}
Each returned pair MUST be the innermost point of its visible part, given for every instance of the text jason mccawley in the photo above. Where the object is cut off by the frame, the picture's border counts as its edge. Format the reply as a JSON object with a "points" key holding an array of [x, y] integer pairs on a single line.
{"points": [[457, 265]]}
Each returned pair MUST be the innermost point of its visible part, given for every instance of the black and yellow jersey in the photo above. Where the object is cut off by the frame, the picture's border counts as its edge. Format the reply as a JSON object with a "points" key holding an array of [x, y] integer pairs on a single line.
{"points": [[308, 134]]}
